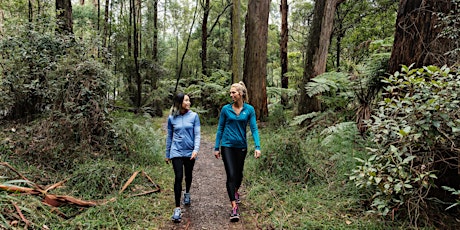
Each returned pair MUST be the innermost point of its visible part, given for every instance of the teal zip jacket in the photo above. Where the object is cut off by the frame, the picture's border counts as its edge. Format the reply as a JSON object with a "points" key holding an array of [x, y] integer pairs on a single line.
{"points": [[231, 130], [183, 135]]}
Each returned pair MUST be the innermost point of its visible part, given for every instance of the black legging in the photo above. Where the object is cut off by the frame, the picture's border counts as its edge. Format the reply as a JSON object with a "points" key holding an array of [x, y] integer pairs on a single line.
{"points": [[181, 164], [234, 164]]}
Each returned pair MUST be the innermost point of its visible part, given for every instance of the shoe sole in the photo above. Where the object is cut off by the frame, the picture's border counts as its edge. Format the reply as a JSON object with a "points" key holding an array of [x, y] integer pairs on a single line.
{"points": [[234, 219], [176, 220]]}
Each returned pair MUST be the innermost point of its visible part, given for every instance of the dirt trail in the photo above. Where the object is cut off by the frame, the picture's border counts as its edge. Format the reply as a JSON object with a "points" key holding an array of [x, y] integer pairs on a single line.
{"points": [[210, 207]]}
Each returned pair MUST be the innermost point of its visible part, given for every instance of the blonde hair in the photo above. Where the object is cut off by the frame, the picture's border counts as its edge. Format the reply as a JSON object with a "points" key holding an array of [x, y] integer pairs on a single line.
{"points": [[241, 88]]}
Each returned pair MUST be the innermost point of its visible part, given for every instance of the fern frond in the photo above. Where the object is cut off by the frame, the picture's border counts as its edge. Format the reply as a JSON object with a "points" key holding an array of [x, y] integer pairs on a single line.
{"points": [[326, 82], [301, 118], [338, 128]]}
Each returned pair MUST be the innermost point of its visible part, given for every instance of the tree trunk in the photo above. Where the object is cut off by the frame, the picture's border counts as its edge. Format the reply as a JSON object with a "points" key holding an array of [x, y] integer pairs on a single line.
{"points": [[179, 73], [236, 41], [318, 45], [284, 8], [31, 12], [417, 38], [255, 56], [106, 25], [64, 17], [136, 61], [204, 39], [155, 31]]}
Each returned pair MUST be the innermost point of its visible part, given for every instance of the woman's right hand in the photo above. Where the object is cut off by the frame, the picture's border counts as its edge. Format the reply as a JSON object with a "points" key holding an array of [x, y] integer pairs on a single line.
{"points": [[167, 160], [217, 154]]}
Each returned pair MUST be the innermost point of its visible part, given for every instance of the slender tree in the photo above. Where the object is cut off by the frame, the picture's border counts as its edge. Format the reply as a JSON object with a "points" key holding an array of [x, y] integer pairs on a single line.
{"points": [[317, 49], [284, 8], [255, 55], [155, 31], [204, 38]]}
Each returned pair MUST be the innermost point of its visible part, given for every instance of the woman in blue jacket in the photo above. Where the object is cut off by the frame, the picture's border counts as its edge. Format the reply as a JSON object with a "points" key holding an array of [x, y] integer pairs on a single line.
{"points": [[182, 147], [231, 138]]}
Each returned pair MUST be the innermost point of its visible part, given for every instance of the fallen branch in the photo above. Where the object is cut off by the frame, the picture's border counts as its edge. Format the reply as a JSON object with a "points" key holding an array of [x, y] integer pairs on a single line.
{"points": [[147, 192], [59, 200], [131, 179], [55, 186], [12, 188], [18, 173], [20, 214], [128, 182], [150, 179]]}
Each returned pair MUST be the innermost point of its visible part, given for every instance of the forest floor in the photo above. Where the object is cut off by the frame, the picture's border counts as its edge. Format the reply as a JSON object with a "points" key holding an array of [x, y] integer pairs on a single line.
{"points": [[210, 206]]}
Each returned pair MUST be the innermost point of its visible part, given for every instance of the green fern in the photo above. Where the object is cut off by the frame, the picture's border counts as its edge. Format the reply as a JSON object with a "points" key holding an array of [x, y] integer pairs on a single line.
{"points": [[327, 82], [301, 118]]}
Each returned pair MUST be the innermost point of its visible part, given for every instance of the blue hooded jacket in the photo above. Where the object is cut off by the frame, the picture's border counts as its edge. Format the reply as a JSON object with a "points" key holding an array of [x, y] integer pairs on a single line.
{"points": [[183, 135]]}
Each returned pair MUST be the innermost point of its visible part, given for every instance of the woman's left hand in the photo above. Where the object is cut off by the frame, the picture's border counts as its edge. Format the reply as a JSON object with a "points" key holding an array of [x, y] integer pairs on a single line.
{"points": [[194, 154], [257, 154]]}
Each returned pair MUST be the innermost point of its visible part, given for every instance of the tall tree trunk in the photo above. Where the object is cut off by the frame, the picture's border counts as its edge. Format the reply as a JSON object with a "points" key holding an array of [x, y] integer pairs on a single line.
{"points": [[417, 38], [284, 8], [106, 26], [236, 41], [155, 31], [31, 12], [255, 55], [317, 49], [204, 39], [98, 15], [139, 24], [136, 61], [64, 17], [130, 26]]}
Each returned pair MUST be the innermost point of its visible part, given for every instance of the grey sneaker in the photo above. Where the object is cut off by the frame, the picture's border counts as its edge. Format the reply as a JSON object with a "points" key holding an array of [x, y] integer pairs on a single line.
{"points": [[187, 198], [176, 217]]}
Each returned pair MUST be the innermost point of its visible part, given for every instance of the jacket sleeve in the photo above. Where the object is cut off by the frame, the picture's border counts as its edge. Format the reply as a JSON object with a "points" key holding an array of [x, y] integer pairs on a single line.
{"points": [[169, 137], [220, 129], [254, 129], [197, 133]]}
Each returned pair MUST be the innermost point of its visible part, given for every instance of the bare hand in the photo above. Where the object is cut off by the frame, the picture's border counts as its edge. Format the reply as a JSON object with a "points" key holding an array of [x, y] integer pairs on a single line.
{"points": [[194, 154], [167, 160], [257, 153], [217, 154]]}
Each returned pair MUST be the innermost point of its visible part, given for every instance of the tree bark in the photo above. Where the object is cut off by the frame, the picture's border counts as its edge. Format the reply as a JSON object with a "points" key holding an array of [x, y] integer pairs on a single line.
{"points": [[136, 56], [317, 50], [204, 39], [284, 8], [155, 31], [417, 38], [64, 17], [236, 41], [255, 56]]}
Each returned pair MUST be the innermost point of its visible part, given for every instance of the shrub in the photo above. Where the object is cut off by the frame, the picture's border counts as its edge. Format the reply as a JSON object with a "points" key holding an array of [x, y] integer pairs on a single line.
{"points": [[416, 125]]}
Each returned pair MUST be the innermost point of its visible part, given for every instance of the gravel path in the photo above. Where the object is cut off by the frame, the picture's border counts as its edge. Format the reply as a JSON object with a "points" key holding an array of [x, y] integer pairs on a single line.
{"points": [[210, 206]]}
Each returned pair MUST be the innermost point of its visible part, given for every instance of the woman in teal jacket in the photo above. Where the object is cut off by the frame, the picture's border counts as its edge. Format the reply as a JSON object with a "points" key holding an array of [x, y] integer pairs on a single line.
{"points": [[231, 138], [182, 147]]}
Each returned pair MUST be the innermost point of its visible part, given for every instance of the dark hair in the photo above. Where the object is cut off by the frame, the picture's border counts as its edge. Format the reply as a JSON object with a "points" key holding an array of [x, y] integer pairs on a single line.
{"points": [[177, 104]]}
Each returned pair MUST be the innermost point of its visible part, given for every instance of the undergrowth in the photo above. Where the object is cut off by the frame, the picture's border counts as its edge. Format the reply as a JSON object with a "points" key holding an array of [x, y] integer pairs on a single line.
{"points": [[300, 182]]}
